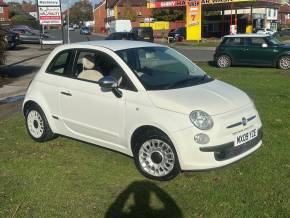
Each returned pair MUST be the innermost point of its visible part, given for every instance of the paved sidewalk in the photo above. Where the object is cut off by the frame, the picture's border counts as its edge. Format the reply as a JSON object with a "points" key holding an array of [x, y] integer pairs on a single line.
{"points": [[20, 68]]}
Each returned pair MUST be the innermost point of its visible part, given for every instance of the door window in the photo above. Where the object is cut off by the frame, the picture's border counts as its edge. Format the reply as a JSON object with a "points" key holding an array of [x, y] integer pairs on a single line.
{"points": [[94, 65], [255, 41], [60, 64], [233, 41]]}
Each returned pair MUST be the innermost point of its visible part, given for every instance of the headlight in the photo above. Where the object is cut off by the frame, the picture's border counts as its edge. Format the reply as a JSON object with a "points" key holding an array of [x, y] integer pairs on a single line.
{"points": [[201, 120]]}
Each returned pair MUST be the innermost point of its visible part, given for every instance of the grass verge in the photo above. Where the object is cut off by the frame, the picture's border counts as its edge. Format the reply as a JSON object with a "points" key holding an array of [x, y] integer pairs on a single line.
{"points": [[66, 178]]}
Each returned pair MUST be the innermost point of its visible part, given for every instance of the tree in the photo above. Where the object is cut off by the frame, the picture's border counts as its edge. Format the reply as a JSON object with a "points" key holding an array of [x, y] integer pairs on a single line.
{"points": [[169, 14], [129, 13], [22, 19], [81, 11], [12, 13]]}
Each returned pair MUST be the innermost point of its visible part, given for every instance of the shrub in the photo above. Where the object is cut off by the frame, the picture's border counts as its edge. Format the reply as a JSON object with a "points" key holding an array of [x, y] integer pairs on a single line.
{"points": [[22, 20]]}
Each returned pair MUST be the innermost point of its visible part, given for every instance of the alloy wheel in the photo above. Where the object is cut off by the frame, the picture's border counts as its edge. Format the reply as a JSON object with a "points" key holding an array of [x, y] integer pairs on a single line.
{"points": [[156, 158], [224, 61], [284, 63], [35, 124]]}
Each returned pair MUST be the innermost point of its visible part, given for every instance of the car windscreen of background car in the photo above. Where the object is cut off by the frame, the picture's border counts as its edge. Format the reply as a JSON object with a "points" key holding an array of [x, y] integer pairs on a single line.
{"points": [[160, 68]]}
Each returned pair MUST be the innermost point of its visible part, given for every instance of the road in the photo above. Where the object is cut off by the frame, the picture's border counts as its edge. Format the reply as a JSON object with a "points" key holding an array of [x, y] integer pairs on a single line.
{"points": [[193, 53]]}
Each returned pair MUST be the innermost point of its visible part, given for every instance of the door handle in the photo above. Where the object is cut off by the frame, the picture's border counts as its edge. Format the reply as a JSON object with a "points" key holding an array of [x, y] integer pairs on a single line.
{"points": [[67, 93]]}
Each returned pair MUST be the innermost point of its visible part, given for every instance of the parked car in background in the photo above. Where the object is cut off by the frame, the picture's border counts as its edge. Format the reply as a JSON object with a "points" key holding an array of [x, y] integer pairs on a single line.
{"points": [[121, 36], [283, 32], [120, 26], [85, 30], [75, 26], [265, 31], [71, 28], [23, 27], [143, 34], [252, 49], [145, 100], [11, 39], [178, 34], [30, 35]]}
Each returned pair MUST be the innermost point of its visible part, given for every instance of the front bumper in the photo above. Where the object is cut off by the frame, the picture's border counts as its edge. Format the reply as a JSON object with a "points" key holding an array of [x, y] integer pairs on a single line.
{"points": [[221, 150]]}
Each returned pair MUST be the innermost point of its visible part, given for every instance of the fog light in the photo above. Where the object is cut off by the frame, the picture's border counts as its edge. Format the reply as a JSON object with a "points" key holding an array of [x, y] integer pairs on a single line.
{"points": [[201, 138]]}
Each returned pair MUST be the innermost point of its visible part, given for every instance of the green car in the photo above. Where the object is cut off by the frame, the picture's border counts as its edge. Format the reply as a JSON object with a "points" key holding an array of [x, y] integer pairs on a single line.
{"points": [[254, 50]]}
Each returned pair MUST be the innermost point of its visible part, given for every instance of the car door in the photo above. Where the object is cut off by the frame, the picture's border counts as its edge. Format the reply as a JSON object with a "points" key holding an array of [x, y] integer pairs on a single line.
{"points": [[236, 49], [87, 111], [260, 52], [30, 37]]}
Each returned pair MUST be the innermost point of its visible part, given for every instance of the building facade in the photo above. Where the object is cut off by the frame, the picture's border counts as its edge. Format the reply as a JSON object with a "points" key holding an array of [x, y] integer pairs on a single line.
{"points": [[100, 15], [4, 12], [284, 14], [134, 10]]}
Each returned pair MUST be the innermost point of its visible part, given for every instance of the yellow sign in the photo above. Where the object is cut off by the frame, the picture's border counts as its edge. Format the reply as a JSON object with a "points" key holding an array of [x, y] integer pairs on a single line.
{"points": [[193, 20], [158, 25]]}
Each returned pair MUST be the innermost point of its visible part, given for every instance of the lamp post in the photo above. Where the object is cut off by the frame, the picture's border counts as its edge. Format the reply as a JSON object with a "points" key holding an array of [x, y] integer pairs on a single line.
{"points": [[68, 36]]}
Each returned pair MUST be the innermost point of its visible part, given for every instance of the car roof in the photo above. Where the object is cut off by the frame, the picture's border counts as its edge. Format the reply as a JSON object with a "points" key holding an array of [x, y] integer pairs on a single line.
{"points": [[117, 45], [245, 35], [121, 33]]}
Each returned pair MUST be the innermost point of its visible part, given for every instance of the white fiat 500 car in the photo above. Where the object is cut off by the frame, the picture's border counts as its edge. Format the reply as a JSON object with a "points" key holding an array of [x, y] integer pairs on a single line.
{"points": [[145, 100]]}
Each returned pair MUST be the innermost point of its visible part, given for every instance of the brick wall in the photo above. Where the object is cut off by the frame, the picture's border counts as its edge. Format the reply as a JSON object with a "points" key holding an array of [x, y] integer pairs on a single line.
{"points": [[100, 15], [141, 12], [4, 12]]}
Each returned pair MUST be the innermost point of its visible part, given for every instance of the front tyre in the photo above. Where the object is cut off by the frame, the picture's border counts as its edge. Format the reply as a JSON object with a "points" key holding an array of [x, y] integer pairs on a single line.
{"points": [[223, 61], [37, 125], [284, 62], [155, 157]]}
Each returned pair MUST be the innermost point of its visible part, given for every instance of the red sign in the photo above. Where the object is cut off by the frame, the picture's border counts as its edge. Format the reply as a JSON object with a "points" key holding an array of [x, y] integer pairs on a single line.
{"points": [[167, 4]]}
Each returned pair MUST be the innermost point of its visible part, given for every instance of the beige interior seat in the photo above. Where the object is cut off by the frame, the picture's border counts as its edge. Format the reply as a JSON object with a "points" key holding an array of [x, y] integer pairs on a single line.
{"points": [[88, 72]]}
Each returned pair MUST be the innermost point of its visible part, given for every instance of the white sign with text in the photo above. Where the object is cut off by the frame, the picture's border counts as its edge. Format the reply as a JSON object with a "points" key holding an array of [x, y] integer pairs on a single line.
{"points": [[49, 15], [48, 2]]}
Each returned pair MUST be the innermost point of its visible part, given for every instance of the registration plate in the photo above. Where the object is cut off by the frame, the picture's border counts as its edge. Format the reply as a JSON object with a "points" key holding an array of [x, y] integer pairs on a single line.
{"points": [[245, 136]]}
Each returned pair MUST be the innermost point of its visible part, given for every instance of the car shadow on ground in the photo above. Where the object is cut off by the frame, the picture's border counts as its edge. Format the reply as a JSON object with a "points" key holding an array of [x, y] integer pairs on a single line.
{"points": [[18, 48], [136, 201], [212, 63], [16, 71]]}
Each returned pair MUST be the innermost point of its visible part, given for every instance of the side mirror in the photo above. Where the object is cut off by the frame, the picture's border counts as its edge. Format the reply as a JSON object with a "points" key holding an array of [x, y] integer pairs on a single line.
{"points": [[108, 82], [264, 45]]}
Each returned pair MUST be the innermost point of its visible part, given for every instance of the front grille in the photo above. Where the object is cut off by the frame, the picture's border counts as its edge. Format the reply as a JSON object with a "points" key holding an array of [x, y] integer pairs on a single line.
{"points": [[235, 151], [241, 123]]}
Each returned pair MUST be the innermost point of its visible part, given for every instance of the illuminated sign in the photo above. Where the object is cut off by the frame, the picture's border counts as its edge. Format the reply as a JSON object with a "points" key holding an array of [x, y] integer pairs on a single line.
{"points": [[166, 4], [182, 3], [193, 20]]}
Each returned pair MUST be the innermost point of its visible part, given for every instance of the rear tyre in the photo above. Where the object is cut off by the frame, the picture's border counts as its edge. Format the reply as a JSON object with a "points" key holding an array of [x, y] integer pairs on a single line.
{"points": [[224, 61], [155, 157], [37, 125], [284, 62]]}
